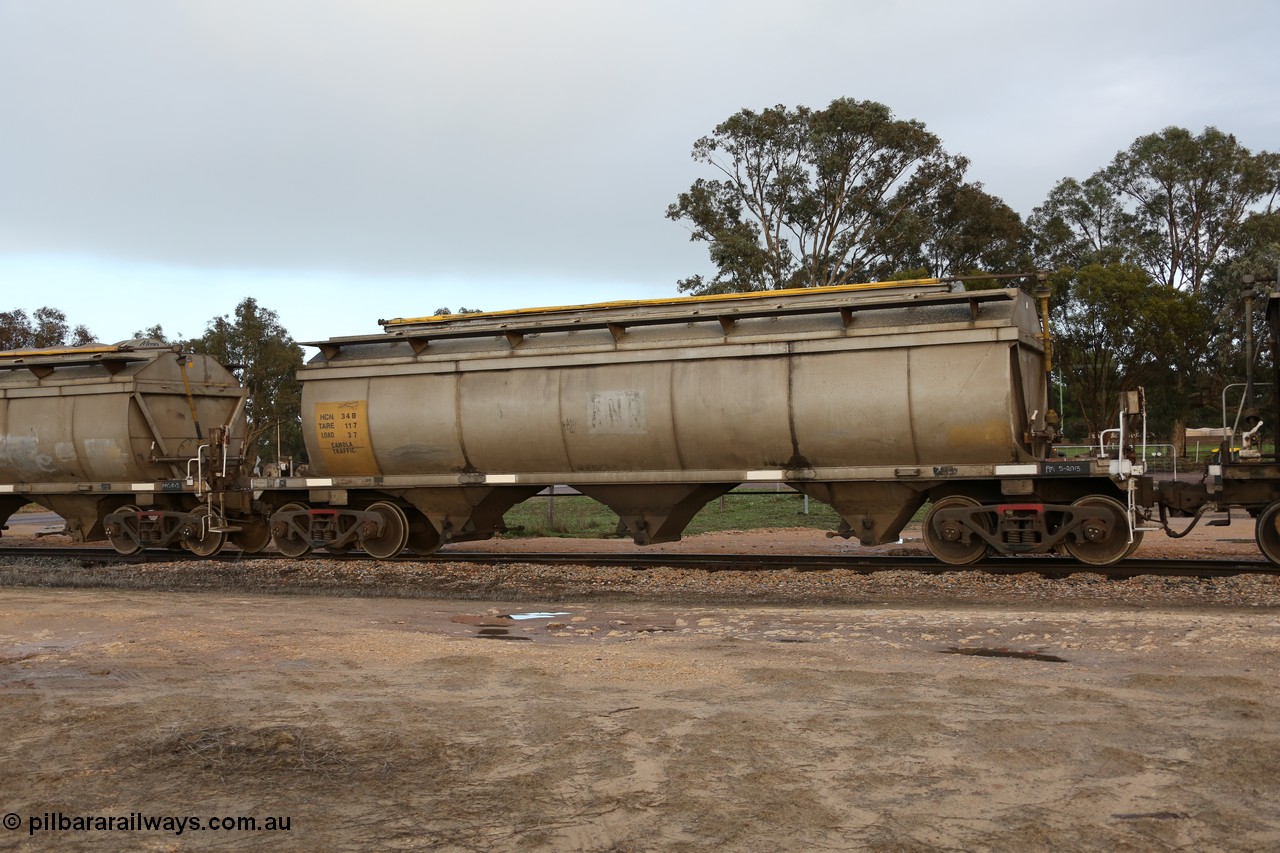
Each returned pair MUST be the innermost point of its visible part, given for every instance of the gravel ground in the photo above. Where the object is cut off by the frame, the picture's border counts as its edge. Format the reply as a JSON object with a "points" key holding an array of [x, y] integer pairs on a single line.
{"points": [[668, 709], [528, 582], [518, 581]]}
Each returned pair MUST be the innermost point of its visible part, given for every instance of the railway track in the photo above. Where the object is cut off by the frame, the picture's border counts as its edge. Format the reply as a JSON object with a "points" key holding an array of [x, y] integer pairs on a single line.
{"points": [[1043, 565]]}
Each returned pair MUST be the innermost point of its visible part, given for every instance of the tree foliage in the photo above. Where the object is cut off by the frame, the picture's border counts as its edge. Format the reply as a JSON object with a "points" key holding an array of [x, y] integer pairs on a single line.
{"points": [[1081, 223], [1188, 195], [155, 333], [1117, 330], [848, 193], [1193, 213], [969, 231], [1170, 204], [253, 342], [46, 327], [1252, 249]]}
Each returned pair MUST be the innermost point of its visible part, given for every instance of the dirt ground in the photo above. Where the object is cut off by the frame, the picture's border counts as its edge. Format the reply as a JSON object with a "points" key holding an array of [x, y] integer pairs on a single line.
{"points": [[406, 724]]}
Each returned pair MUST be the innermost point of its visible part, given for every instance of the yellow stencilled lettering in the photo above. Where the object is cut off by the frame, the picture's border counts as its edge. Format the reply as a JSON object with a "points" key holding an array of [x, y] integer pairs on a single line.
{"points": [[343, 445]]}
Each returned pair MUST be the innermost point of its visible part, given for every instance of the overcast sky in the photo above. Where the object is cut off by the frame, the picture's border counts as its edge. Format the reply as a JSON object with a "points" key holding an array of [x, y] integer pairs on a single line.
{"points": [[342, 162]]}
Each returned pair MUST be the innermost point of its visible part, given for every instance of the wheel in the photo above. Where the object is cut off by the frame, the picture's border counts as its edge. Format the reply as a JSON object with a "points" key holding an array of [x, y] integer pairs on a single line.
{"points": [[121, 540], [199, 537], [945, 538], [1267, 532], [252, 537], [287, 542], [395, 532], [1102, 544]]}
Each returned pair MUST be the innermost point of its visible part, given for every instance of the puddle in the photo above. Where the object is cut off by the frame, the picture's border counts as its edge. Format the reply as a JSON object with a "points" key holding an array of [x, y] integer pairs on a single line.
{"points": [[499, 634], [497, 626], [1002, 653]]}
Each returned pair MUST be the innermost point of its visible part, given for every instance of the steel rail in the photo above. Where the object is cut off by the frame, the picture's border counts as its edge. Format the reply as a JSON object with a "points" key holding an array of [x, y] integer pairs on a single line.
{"points": [[863, 563]]}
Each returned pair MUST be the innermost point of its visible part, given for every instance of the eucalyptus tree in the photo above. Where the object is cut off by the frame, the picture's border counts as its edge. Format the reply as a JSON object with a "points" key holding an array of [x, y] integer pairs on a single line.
{"points": [[46, 327], [1189, 195], [849, 193], [253, 342], [967, 231], [1170, 203], [1189, 211], [1118, 329]]}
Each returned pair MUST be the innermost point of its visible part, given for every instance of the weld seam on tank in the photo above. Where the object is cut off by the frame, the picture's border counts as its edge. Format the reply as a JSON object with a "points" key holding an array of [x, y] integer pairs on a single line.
{"points": [[791, 409], [458, 377], [671, 407], [564, 438]]}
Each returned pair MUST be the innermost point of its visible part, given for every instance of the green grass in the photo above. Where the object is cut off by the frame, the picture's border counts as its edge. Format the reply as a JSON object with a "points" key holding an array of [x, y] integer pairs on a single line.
{"points": [[580, 516]]}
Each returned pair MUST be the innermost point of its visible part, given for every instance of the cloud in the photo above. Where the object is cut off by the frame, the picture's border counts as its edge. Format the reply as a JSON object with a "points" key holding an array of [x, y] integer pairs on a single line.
{"points": [[493, 141]]}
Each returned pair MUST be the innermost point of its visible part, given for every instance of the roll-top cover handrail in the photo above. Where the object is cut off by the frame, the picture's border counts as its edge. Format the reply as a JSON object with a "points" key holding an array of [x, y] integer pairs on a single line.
{"points": [[112, 356], [618, 316]]}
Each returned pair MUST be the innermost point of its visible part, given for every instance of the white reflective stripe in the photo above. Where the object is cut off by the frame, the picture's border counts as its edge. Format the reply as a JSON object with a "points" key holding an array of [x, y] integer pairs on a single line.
{"points": [[1017, 470], [8, 488], [765, 475], [323, 481], [500, 478], [144, 487]]}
